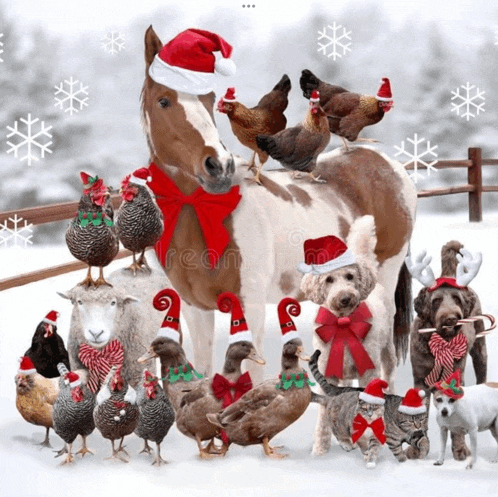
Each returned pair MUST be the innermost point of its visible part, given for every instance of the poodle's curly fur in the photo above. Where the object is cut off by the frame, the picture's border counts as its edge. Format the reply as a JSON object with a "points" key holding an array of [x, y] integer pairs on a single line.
{"points": [[341, 291]]}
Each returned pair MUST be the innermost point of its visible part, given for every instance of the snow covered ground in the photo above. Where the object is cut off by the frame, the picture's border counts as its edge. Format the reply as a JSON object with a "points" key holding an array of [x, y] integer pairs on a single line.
{"points": [[28, 470]]}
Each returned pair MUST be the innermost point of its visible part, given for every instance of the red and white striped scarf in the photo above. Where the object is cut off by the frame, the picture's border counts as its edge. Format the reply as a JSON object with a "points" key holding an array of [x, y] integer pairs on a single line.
{"points": [[445, 353], [99, 362]]}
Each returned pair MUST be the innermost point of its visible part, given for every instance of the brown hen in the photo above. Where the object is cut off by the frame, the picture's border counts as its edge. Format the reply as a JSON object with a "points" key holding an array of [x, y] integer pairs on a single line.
{"points": [[266, 118], [348, 113]]}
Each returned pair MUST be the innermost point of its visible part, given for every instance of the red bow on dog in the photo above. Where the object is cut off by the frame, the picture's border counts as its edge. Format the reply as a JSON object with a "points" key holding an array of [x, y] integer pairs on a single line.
{"points": [[211, 211], [350, 331], [222, 388], [360, 424]]}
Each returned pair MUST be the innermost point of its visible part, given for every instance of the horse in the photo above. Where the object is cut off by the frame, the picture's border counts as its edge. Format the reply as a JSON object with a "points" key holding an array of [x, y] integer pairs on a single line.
{"points": [[270, 223]]}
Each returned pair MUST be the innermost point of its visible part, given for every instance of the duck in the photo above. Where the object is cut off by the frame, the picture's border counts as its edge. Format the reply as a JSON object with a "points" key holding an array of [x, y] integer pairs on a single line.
{"points": [[217, 392], [272, 406], [178, 375]]}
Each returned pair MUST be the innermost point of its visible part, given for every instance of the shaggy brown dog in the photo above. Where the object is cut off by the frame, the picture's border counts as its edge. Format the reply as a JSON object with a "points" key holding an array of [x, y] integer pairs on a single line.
{"points": [[441, 309]]}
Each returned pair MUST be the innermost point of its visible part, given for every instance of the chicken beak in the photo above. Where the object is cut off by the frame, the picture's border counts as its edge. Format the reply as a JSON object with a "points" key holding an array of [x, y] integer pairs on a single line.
{"points": [[253, 356], [302, 355], [150, 354]]}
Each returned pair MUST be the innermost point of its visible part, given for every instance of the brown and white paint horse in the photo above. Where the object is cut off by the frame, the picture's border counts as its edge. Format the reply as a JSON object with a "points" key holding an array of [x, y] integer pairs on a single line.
{"points": [[271, 222]]}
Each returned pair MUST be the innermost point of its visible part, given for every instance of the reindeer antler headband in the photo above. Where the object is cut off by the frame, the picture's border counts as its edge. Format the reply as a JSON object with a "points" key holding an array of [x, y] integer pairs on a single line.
{"points": [[467, 269]]}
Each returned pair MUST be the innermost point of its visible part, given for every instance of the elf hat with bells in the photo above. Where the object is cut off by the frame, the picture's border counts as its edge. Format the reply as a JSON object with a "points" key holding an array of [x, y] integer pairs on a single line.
{"points": [[187, 63], [168, 300], [239, 331], [288, 307]]}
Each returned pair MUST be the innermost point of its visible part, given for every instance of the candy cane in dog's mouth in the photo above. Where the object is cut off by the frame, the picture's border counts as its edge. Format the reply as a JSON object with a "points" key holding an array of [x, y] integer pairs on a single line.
{"points": [[469, 320]]}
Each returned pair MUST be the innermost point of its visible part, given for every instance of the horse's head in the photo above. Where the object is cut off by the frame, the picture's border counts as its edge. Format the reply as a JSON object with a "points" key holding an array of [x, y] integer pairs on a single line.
{"points": [[180, 129]]}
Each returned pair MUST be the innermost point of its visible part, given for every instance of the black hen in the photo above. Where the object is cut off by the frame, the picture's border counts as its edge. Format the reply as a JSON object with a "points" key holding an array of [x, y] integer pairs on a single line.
{"points": [[47, 347]]}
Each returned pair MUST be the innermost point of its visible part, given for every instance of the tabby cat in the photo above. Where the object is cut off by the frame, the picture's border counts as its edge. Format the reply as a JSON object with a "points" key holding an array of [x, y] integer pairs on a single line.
{"points": [[399, 427]]}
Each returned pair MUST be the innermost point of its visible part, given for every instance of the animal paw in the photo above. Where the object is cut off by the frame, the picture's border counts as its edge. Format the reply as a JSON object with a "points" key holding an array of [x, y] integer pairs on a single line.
{"points": [[438, 463], [412, 452], [348, 447], [469, 466], [319, 450], [402, 457], [461, 453]]}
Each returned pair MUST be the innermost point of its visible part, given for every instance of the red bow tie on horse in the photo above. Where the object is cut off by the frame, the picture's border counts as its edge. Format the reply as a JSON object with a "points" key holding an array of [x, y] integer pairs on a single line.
{"points": [[211, 211], [350, 331], [360, 424]]}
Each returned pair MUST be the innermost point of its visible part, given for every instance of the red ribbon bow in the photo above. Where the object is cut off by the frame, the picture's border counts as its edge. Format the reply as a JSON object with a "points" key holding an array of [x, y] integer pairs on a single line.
{"points": [[211, 211], [350, 331], [360, 424], [99, 362], [222, 388], [445, 353]]}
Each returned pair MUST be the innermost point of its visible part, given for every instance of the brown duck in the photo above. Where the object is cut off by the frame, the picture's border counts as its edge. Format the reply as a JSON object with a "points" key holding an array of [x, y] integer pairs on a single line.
{"points": [[275, 404], [213, 394], [178, 374]]}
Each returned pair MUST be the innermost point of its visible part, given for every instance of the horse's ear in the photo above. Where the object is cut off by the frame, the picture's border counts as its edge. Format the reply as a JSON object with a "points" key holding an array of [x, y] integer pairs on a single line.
{"points": [[152, 46]]}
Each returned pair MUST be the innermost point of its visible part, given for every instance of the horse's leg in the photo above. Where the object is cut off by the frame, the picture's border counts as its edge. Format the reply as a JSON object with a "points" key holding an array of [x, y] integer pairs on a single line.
{"points": [[201, 329]]}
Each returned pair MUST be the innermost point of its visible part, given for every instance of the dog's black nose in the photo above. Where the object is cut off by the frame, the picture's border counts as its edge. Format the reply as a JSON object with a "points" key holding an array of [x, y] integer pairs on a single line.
{"points": [[444, 412], [451, 321], [345, 301]]}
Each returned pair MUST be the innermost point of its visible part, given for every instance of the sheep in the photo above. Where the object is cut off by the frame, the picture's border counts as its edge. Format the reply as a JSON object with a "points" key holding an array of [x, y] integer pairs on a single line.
{"points": [[123, 311]]}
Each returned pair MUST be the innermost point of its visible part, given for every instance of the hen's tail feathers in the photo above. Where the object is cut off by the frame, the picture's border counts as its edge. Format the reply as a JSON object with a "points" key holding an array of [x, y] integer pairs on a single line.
{"points": [[283, 85], [267, 144], [308, 82], [403, 316]]}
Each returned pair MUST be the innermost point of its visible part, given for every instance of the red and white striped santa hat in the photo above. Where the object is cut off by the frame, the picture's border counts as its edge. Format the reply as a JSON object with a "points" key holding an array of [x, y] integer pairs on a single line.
{"points": [[239, 332], [51, 318], [187, 63], [374, 392], [325, 254], [169, 300], [140, 176], [412, 402], [26, 366], [288, 307]]}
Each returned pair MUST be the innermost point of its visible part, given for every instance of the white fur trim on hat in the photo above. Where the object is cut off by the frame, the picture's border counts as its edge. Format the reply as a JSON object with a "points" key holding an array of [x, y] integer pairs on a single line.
{"points": [[290, 335], [74, 384], [345, 259], [412, 410], [179, 79], [225, 66], [138, 181], [49, 321], [240, 336], [371, 399], [384, 99], [168, 333], [26, 371]]}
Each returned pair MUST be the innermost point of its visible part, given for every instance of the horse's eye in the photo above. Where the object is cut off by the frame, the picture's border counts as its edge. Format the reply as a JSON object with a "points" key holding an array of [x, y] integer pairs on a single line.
{"points": [[329, 279], [113, 302], [164, 102], [80, 302], [349, 277]]}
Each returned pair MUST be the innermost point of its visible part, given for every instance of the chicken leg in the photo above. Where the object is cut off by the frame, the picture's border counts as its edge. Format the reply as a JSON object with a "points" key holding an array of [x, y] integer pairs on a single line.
{"points": [[115, 453], [272, 451], [158, 459], [88, 281], [84, 449], [147, 448], [69, 458], [100, 280]]}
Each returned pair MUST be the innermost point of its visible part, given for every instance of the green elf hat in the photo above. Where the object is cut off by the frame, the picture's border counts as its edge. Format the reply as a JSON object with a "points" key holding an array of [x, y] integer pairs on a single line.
{"points": [[451, 386]]}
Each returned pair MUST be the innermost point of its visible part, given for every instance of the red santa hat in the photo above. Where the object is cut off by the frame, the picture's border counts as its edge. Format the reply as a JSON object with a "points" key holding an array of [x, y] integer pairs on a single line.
{"points": [[73, 378], [26, 366], [315, 96], [140, 176], [230, 95], [322, 255], [51, 318], [452, 386], [239, 332], [187, 63], [169, 300], [384, 94], [374, 392], [288, 307], [412, 403]]}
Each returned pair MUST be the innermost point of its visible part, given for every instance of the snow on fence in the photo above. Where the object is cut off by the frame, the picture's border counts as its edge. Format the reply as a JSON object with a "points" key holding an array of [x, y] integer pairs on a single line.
{"points": [[59, 212]]}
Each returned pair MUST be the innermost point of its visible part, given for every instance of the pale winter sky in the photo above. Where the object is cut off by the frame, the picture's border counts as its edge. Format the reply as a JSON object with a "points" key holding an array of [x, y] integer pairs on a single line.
{"points": [[74, 16]]}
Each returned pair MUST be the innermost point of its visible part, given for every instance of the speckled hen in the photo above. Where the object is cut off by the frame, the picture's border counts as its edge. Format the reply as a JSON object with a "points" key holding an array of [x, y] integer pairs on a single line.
{"points": [[156, 414], [139, 220], [116, 413], [92, 237]]}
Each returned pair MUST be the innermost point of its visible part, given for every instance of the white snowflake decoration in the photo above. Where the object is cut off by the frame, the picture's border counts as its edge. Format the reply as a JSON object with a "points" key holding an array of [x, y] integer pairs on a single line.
{"points": [[1, 49], [18, 232], [113, 42], [418, 155], [336, 44], [72, 96], [29, 140], [467, 101]]}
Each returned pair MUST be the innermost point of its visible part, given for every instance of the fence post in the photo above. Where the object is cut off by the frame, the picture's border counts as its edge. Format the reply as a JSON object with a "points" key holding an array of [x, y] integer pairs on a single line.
{"points": [[475, 179]]}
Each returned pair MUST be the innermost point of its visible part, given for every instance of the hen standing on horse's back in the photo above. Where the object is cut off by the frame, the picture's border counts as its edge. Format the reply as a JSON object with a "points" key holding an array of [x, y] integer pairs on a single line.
{"points": [[298, 148], [348, 113], [267, 118], [139, 222], [91, 237]]}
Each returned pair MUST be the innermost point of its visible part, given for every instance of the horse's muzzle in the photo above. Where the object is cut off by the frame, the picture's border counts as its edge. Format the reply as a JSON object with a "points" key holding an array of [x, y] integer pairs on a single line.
{"points": [[219, 176]]}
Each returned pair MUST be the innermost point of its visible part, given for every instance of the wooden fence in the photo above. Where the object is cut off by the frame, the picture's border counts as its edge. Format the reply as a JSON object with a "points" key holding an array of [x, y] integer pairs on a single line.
{"points": [[62, 211]]}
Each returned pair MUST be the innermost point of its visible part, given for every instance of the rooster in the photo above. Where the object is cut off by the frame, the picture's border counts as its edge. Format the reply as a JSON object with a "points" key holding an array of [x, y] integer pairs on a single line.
{"points": [[267, 118], [91, 237], [298, 148], [139, 220], [348, 113]]}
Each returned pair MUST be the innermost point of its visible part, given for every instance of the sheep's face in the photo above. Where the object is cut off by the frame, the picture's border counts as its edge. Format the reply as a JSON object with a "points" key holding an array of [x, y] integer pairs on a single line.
{"points": [[98, 313]]}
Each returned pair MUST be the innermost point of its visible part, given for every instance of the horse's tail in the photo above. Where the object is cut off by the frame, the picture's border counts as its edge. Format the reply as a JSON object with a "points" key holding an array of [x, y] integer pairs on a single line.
{"points": [[328, 388], [403, 316]]}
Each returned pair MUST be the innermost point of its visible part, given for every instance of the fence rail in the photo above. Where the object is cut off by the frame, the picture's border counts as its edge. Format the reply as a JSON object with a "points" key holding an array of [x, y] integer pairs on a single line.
{"points": [[66, 210]]}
